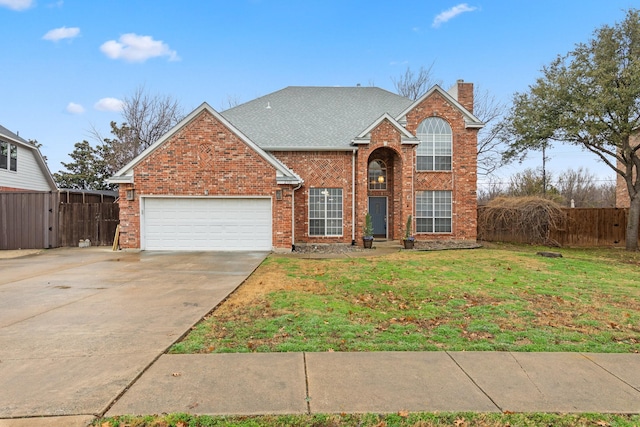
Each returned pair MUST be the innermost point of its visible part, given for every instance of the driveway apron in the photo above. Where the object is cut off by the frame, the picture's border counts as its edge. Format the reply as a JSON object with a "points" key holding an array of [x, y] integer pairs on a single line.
{"points": [[78, 325]]}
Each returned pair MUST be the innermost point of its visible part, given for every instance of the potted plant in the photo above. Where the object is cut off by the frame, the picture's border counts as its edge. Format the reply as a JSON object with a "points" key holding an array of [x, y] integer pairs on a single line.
{"points": [[367, 231], [408, 240]]}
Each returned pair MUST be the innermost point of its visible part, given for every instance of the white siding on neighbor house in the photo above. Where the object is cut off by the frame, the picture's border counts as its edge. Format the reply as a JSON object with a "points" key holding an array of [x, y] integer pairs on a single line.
{"points": [[29, 175]]}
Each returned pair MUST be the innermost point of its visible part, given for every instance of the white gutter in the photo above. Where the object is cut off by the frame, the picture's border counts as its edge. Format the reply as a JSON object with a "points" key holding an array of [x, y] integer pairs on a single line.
{"points": [[353, 198], [293, 217]]}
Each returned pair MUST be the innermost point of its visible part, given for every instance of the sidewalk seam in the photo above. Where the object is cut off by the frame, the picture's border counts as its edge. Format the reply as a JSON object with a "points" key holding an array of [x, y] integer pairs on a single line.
{"points": [[586, 356], [474, 381], [306, 383]]}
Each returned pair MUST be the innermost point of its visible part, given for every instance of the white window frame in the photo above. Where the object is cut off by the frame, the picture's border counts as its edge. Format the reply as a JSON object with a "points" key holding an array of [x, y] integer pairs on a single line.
{"points": [[325, 212], [435, 151], [434, 212], [13, 158], [4, 146]]}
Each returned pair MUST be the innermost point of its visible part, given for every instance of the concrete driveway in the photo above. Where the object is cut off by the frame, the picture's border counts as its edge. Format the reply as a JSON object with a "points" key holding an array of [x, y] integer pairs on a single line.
{"points": [[79, 325]]}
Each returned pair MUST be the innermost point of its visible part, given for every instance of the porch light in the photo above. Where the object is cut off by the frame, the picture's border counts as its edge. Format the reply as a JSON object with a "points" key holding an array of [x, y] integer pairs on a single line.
{"points": [[381, 179]]}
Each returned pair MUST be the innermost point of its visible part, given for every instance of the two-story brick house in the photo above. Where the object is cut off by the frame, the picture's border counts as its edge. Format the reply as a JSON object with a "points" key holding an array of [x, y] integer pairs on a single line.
{"points": [[304, 165]]}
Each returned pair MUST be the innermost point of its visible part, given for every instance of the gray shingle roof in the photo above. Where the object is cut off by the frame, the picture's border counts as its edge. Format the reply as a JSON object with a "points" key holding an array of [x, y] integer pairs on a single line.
{"points": [[313, 117], [8, 134]]}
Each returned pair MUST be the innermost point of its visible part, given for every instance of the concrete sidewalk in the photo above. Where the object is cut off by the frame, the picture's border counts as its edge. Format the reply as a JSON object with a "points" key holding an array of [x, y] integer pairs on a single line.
{"points": [[300, 383]]}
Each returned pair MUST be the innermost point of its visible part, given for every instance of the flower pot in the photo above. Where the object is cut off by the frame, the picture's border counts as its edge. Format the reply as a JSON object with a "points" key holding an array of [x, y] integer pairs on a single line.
{"points": [[368, 243], [408, 244]]}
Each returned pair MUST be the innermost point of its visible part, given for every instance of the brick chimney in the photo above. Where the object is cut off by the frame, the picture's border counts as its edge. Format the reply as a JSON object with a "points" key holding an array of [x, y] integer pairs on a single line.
{"points": [[465, 94]]}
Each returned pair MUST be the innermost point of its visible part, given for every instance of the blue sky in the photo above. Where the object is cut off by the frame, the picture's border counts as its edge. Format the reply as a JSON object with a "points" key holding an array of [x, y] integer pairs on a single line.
{"points": [[66, 64]]}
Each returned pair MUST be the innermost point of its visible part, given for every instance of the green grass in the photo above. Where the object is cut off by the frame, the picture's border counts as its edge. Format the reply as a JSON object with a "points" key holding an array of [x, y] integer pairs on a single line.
{"points": [[375, 420], [503, 298]]}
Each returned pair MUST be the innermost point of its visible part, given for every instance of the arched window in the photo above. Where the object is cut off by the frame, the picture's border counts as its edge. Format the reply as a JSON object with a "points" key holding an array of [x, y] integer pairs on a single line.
{"points": [[377, 175], [435, 148]]}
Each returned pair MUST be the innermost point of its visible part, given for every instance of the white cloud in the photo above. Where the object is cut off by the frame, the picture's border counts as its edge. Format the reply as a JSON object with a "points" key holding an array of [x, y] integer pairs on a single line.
{"points": [[135, 48], [74, 108], [109, 104], [452, 13], [62, 33], [17, 4]]}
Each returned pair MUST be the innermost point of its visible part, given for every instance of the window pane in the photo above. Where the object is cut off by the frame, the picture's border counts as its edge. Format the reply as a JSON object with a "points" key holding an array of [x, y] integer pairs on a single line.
{"points": [[433, 211], [4, 155], [325, 211], [377, 175], [13, 165], [435, 148]]}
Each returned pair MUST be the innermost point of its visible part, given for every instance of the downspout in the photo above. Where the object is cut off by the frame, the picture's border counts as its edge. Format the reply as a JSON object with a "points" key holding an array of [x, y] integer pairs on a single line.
{"points": [[293, 217], [414, 164], [353, 198]]}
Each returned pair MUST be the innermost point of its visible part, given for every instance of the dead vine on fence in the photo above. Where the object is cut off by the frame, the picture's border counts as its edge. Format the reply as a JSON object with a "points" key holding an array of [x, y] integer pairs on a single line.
{"points": [[533, 218]]}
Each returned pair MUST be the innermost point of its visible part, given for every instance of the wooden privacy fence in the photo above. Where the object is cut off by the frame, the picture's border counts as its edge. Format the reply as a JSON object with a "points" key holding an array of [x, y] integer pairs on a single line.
{"points": [[37, 220], [583, 227], [94, 221], [29, 220]]}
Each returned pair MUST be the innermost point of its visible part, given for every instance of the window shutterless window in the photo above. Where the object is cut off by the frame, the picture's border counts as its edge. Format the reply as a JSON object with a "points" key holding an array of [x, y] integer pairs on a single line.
{"points": [[4, 155], [435, 148], [13, 160], [433, 211], [377, 175], [325, 212]]}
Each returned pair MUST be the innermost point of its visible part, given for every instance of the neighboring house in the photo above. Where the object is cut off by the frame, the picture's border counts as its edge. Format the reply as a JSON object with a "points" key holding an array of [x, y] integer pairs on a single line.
{"points": [[622, 193], [22, 167], [304, 165]]}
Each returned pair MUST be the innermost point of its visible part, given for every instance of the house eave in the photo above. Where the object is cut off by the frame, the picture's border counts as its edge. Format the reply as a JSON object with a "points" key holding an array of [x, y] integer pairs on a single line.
{"points": [[281, 149], [122, 179]]}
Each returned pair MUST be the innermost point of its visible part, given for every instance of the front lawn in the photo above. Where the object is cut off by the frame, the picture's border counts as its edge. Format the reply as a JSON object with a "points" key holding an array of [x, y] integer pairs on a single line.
{"points": [[502, 298]]}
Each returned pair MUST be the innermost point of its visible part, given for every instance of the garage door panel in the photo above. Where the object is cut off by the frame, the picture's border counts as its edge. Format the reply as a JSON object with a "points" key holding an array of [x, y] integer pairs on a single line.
{"points": [[206, 224]]}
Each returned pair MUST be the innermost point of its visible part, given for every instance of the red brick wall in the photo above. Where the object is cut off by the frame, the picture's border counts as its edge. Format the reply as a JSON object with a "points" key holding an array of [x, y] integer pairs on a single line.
{"points": [[204, 158], [320, 169], [462, 179], [12, 189]]}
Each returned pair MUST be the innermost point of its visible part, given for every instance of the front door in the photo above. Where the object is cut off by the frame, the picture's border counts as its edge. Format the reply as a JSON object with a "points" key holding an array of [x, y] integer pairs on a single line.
{"points": [[378, 212]]}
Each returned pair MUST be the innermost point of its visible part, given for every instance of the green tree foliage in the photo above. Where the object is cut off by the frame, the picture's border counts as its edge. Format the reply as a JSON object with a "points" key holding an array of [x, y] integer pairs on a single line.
{"points": [[87, 171], [590, 98]]}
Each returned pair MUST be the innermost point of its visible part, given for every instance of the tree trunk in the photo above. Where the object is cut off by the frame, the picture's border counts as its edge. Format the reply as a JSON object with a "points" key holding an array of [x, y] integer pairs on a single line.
{"points": [[633, 221]]}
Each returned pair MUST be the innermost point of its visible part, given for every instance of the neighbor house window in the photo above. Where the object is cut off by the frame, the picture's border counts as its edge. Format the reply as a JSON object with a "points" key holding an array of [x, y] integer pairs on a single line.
{"points": [[4, 155], [377, 175], [325, 212], [13, 157], [433, 211], [434, 150]]}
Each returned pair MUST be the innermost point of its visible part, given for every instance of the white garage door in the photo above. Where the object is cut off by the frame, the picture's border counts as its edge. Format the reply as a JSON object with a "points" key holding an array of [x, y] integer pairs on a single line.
{"points": [[206, 224]]}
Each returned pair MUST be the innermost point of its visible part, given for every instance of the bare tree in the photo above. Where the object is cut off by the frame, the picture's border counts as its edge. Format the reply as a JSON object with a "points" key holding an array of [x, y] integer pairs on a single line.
{"points": [[532, 182], [489, 111], [413, 86], [146, 118], [490, 190], [582, 187], [230, 102]]}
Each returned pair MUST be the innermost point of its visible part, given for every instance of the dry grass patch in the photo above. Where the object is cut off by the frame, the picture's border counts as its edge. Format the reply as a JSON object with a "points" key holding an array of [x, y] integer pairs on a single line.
{"points": [[502, 298]]}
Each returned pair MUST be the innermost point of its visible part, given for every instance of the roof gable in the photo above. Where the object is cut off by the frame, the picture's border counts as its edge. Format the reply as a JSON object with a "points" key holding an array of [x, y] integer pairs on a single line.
{"points": [[365, 136], [283, 174], [470, 120], [7, 135]]}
